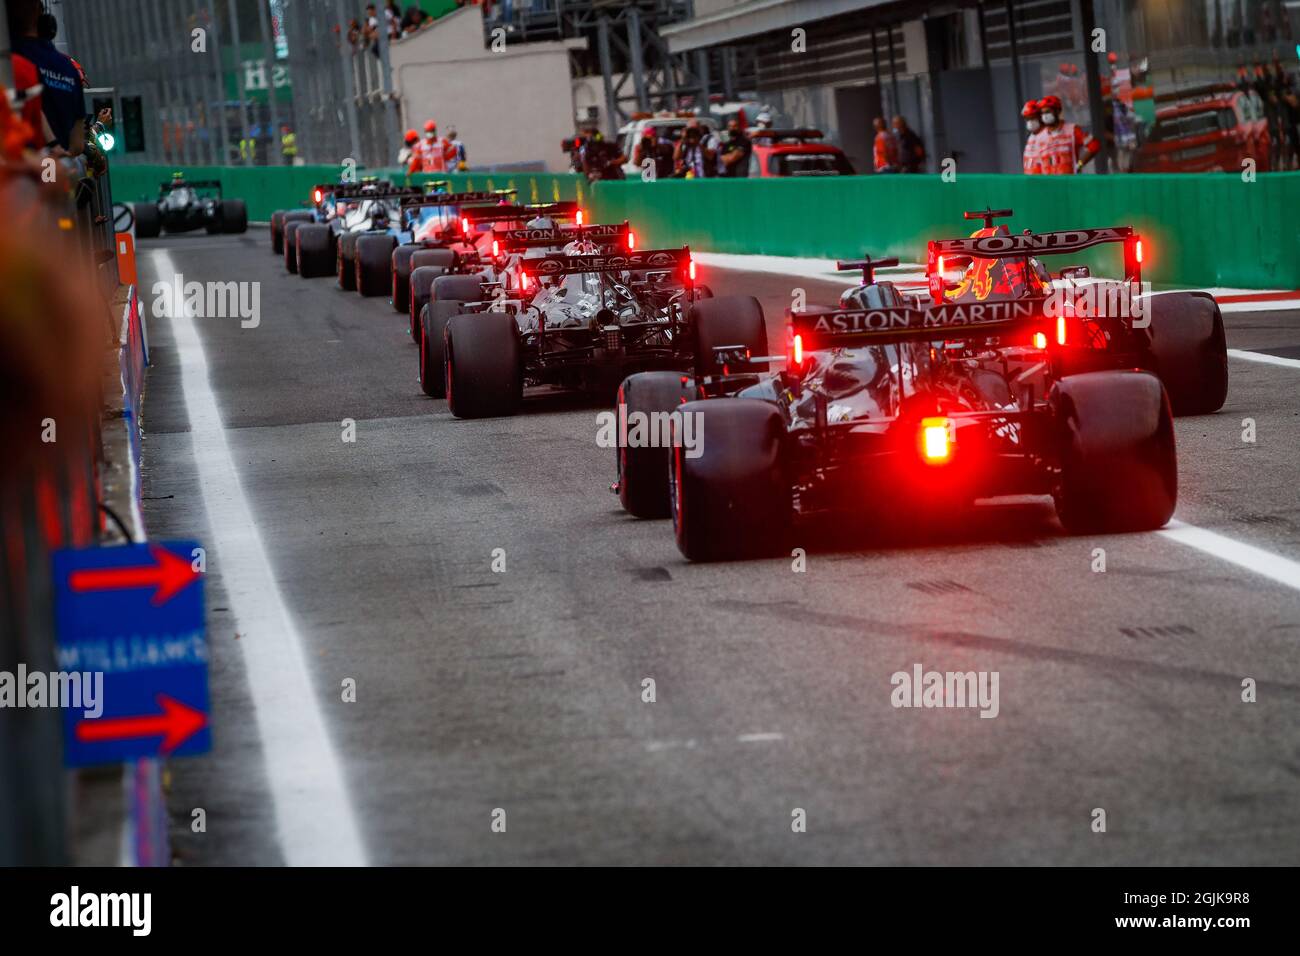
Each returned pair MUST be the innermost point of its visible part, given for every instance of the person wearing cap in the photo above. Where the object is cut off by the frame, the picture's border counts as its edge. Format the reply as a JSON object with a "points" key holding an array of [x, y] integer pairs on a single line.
{"points": [[1065, 147], [884, 147], [433, 150], [406, 156], [1032, 158]]}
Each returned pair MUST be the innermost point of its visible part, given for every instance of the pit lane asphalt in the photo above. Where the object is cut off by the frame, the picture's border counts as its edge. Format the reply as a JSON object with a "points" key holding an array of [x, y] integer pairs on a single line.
{"points": [[522, 690]]}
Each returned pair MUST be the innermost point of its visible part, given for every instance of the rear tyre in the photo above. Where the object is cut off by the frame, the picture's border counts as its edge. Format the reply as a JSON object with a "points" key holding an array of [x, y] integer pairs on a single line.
{"points": [[433, 324], [277, 233], [148, 221], [461, 288], [315, 258], [1119, 466], [234, 216], [374, 260], [401, 291], [484, 368], [214, 225], [1189, 351], [422, 279], [643, 470], [733, 500], [344, 270], [728, 320], [291, 244]]}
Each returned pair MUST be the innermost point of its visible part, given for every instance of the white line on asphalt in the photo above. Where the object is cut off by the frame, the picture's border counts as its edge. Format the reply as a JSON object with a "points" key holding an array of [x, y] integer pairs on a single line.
{"points": [[758, 738], [1264, 563], [1264, 359], [313, 813]]}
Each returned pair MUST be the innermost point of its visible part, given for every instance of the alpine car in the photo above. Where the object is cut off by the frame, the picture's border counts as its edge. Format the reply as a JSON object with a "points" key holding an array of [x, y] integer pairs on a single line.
{"points": [[582, 319], [1006, 380], [431, 232], [185, 205], [469, 247]]}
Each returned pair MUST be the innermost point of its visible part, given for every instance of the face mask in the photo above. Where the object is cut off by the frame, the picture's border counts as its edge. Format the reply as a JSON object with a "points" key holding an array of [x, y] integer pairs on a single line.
{"points": [[1049, 119], [1033, 125]]}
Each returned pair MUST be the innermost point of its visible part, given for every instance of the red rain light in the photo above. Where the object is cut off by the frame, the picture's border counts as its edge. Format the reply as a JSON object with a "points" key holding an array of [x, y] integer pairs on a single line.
{"points": [[579, 217], [317, 196], [631, 240], [496, 249], [798, 349], [1060, 330], [1137, 252], [936, 444], [464, 225], [690, 270]]}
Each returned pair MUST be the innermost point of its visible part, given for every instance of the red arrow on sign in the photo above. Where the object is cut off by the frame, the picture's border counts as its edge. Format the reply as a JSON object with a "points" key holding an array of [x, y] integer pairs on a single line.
{"points": [[168, 576], [176, 724]]}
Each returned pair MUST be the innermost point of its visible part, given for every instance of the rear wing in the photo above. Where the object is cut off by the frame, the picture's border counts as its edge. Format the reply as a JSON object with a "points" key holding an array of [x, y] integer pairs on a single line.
{"points": [[517, 240], [1036, 244], [505, 212], [651, 260], [171, 184], [429, 200], [847, 328], [375, 191]]}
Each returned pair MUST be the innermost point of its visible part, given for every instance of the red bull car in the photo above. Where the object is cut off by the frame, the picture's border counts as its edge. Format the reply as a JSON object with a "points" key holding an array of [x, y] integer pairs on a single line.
{"points": [[1005, 379]]}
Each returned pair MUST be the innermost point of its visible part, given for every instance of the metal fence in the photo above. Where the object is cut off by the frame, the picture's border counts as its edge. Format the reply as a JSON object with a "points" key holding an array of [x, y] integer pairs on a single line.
{"points": [[203, 75]]}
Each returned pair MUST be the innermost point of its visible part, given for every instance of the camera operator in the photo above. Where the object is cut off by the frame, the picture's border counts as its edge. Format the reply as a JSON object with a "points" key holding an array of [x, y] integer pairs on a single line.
{"points": [[655, 149], [693, 159]]}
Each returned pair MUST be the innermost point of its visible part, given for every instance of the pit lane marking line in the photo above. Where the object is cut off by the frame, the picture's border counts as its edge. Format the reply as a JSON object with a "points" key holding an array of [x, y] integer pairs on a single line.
{"points": [[314, 817], [1263, 358], [1261, 562], [759, 738]]}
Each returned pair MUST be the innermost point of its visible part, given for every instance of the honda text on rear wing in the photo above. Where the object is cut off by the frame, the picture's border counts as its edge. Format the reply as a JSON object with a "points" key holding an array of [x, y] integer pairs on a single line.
{"points": [[1000, 244]]}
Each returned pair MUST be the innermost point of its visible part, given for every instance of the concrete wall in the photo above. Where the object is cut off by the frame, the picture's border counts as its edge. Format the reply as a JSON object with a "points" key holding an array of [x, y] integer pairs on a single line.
{"points": [[510, 107]]}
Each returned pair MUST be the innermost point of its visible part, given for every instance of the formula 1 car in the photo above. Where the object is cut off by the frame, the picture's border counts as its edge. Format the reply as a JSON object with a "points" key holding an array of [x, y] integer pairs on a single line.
{"points": [[471, 247], [496, 270], [322, 210], [580, 319], [184, 206], [1008, 380], [433, 233]]}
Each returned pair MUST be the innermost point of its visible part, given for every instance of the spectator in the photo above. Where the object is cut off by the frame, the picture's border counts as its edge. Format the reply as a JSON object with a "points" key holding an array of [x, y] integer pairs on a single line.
{"points": [[407, 156], [656, 150], [413, 20], [884, 148], [1288, 108], [911, 151], [693, 159], [455, 152], [736, 151], [62, 99]]}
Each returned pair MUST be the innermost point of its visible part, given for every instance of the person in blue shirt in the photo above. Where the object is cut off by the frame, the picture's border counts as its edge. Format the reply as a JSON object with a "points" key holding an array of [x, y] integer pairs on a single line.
{"points": [[62, 97]]}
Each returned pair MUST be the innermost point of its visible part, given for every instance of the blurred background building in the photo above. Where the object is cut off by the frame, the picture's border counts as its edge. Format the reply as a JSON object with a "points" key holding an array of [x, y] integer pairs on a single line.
{"points": [[516, 76]]}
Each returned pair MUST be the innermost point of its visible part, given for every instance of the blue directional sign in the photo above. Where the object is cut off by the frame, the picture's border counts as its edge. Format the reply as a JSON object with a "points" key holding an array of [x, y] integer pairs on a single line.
{"points": [[134, 616]]}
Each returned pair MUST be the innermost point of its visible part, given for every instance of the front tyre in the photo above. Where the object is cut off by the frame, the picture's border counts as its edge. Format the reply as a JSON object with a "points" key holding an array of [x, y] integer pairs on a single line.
{"points": [[374, 262]]}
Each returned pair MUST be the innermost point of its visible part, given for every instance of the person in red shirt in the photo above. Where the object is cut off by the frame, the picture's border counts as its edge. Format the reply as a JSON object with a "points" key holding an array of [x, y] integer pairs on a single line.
{"points": [[1033, 158], [433, 150], [884, 148], [1065, 147]]}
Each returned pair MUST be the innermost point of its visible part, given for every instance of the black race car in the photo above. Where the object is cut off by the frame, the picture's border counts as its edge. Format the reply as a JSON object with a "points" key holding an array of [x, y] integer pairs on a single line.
{"points": [[582, 318], [184, 206], [1004, 380]]}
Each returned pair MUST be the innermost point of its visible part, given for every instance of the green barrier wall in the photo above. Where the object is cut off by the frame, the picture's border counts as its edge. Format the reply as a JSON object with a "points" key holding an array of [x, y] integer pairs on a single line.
{"points": [[267, 188], [1200, 230]]}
